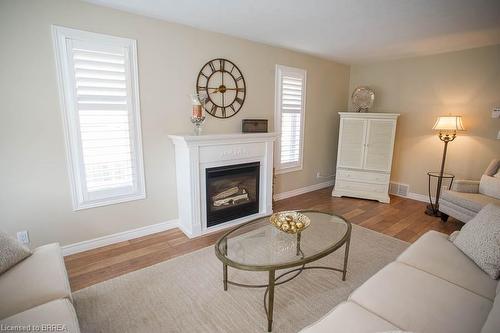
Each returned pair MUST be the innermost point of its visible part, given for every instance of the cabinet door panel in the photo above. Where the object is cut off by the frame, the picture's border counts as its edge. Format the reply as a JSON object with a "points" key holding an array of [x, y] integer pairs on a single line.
{"points": [[351, 143], [379, 144]]}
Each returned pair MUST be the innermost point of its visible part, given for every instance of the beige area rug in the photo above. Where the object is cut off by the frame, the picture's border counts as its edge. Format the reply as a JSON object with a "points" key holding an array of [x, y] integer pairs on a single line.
{"points": [[185, 294]]}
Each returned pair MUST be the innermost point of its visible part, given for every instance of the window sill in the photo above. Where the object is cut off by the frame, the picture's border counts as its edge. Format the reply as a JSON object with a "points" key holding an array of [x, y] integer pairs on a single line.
{"points": [[106, 202], [288, 169]]}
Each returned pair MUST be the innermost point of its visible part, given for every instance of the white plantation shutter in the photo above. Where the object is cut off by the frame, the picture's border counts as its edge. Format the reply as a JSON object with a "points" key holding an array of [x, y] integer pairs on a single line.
{"points": [[290, 112], [98, 76]]}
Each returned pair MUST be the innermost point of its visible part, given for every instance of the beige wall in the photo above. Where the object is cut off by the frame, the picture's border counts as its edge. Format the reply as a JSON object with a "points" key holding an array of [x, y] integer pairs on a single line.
{"points": [[34, 186], [465, 83]]}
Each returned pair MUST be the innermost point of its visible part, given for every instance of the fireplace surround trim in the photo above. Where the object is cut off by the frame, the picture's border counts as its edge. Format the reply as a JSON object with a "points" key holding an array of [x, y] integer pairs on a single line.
{"points": [[194, 154]]}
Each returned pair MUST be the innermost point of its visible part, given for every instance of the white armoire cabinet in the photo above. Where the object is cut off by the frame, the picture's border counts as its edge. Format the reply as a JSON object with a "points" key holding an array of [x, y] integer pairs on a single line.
{"points": [[364, 156]]}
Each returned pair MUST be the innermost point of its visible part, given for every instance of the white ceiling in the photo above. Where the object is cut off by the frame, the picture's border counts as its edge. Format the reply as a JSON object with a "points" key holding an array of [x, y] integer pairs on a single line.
{"points": [[349, 31]]}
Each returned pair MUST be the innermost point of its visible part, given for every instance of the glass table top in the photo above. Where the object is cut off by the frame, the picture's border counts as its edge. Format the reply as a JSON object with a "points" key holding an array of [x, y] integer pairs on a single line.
{"points": [[257, 245]]}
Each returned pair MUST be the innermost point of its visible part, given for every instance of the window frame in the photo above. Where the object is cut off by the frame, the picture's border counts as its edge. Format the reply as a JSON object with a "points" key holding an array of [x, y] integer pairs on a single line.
{"points": [[72, 135], [281, 70]]}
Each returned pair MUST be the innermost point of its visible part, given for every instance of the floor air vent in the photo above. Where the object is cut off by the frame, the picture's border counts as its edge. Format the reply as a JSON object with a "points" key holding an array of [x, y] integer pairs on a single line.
{"points": [[399, 189]]}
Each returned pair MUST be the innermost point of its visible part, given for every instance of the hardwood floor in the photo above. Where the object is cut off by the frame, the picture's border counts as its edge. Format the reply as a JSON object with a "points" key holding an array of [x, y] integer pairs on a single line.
{"points": [[402, 218]]}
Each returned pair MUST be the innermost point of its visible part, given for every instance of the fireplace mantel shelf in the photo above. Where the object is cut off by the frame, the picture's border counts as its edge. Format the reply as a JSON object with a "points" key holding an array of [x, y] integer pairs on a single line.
{"points": [[206, 138], [195, 154]]}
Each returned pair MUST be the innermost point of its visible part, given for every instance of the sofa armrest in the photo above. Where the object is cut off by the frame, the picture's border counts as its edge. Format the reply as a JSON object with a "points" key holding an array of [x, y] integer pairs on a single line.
{"points": [[38, 279], [467, 186], [54, 316]]}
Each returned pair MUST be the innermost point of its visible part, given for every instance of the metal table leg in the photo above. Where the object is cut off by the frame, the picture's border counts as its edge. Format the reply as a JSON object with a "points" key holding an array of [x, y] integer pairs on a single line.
{"points": [[224, 276], [346, 257], [270, 301], [224, 267]]}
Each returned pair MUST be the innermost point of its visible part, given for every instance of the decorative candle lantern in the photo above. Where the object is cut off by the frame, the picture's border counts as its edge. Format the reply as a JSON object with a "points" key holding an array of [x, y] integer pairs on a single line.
{"points": [[198, 112]]}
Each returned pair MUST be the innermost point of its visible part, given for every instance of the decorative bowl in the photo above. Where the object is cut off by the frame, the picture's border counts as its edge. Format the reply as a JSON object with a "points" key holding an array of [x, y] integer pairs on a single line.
{"points": [[290, 222]]}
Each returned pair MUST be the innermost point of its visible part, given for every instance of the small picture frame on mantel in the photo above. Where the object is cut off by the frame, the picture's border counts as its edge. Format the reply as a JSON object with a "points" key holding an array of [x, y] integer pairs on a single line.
{"points": [[254, 126]]}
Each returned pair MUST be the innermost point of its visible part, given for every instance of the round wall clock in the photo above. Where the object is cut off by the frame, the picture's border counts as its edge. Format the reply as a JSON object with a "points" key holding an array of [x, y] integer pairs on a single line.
{"points": [[224, 85]]}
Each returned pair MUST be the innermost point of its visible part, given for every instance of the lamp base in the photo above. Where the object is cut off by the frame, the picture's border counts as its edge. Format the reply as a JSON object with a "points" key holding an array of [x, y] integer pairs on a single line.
{"points": [[432, 211]]}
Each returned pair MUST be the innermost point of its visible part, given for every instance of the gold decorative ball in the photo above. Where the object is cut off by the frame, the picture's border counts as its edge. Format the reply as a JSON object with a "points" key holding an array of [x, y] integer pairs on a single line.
{"points": [[290, 222]]}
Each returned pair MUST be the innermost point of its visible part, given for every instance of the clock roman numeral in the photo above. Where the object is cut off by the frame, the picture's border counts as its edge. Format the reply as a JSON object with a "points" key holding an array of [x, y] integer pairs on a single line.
{"points": [[212, 66], [202, 88], [204, 75], [213, 110], [222, 64], [223, 111], [239, 100], [240, 89], [239, 78]]}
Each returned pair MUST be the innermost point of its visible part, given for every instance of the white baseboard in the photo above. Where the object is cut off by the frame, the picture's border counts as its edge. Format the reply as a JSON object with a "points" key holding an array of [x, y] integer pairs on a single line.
{"points": [[418, 197], [414, 196], [159, 227], [302, 190], [118, 237]]}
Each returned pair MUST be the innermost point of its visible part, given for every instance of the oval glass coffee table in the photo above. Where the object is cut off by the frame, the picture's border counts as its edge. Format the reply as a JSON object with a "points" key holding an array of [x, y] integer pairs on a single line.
{"points": [[259, 246]]}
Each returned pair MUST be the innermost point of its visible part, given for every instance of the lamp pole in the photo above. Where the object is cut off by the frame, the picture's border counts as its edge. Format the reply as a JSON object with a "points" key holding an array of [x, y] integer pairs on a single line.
{"points": [[446, 138]]}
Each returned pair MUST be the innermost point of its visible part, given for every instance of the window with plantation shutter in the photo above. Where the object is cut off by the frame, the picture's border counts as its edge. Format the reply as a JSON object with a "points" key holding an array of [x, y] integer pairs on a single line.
{"points": [[289, 117], [99, 98]]}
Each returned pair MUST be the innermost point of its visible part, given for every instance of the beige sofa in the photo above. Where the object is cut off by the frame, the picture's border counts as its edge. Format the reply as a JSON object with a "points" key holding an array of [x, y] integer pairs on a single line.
{"points": [[467, 197], [36, 292], [432, 287]]}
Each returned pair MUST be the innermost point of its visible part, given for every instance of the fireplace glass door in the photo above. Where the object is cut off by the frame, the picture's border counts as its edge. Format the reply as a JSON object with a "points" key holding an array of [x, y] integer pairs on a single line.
{"points": [[232, 192]]}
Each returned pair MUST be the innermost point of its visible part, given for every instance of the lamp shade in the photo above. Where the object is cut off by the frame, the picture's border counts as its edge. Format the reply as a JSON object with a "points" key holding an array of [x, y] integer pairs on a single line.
{"points": [[449, 123]]}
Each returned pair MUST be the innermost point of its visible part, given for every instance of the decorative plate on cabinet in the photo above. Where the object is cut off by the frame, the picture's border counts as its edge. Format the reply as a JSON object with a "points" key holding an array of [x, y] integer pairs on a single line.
{"points": [[362, 99]]}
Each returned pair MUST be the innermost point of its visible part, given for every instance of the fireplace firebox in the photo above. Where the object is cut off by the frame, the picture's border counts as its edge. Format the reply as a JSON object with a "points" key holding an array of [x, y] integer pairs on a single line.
{"points": [[232, 192]]}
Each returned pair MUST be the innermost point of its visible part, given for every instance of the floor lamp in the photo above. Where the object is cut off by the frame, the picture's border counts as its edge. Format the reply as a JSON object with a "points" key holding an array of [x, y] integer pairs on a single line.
{"points": [[447, 127]]}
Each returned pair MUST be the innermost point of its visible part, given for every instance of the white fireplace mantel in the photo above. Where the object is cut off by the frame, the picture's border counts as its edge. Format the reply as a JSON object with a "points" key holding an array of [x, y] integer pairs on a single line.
{"points": [[194, 154]]}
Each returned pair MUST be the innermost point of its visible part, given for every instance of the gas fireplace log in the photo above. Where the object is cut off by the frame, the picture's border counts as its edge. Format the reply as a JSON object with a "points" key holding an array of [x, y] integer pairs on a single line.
{"points": [[232, 200], [226, 193]]}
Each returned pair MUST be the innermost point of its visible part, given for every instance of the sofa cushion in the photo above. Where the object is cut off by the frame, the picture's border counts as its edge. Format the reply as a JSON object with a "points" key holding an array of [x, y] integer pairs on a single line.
{"points": [[471, 201], [12, 252], [492, 324], [435, 254], [349, 317], [38, 279], [59, 315], [417, 301], [479, 239], [490, 186], [493, 168]]}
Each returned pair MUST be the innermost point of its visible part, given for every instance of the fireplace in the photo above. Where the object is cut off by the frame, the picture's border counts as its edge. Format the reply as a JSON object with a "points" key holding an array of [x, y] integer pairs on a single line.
{"points": [[194, 154], [232, 192]]}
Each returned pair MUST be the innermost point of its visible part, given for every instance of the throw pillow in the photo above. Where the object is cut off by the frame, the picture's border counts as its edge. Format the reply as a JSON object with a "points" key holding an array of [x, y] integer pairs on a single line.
{"points": [[11, 252], [479, 239]]}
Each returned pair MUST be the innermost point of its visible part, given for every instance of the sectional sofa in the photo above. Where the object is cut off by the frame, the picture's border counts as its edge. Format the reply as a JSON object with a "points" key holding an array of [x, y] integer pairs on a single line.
{"points": [[432, 287], [35, 294]]}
